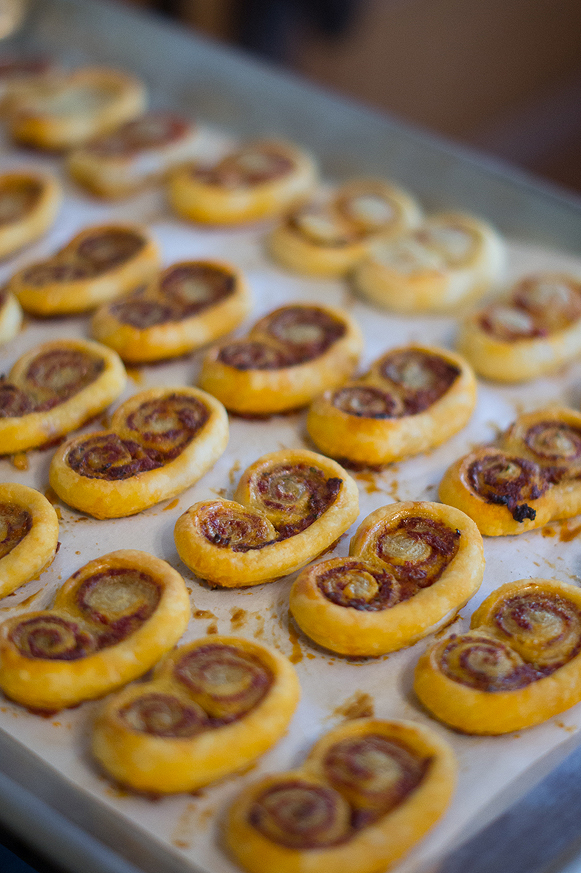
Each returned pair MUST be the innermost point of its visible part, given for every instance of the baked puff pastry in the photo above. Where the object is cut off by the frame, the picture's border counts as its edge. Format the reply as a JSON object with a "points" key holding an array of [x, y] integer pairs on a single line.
{"points": [[29, 203], [288, 507], [285, 360], [160, 442], [65, 111], [449, 260], [19, 73], [533, 478], [10, 316], [259, 180], [213, 707], [411, 567], [188, 305], [534, 332], [110, 623], [518, 665], [29, 531], [53, 389], [97, 265], [412, 398], [327, 237], [367, 792], [134, 155]]}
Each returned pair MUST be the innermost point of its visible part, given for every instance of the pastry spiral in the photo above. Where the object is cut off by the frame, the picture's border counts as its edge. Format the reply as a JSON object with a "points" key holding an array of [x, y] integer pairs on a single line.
{"points": [[111, 621], [288, 507], [29, 203], [29, 531], [518, 665], [212, 707], [285, 360]]}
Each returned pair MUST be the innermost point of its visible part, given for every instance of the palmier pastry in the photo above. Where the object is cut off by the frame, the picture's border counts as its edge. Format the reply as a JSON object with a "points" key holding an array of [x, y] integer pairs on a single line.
{"points": [[285, 360], [10, 316], [412, 398], [97, 265], [160, 442], [533, 478], [368, 791], [29, 203], [136, 154], [212, 707], [534, 332], [71, 109], [259, 180], [19, 73], [518, 665], [188, 305], [55, 388], [110, 623], [326, 237], [29, 531], [411, 567], [288, 507], [449, 260]]}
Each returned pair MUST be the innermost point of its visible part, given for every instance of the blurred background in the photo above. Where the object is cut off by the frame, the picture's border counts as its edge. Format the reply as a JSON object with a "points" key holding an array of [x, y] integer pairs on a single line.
{"points": [[501, 75]]}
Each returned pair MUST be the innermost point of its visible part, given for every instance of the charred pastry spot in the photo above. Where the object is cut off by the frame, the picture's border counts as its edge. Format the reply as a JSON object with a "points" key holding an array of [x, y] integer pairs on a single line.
{"points": [[191, 288], [486, 664], [120, 599], [164, 715], [51, 637], [18, 197], [252, 355], [365, 401], [294, 496], [167, 425], [151, 131], [56, 375], [306, 331], [235, 528], [417, 550], [108, 249], [544, 628], [508, 481], [107, 456], [15, 523], [421, 378], [522, 512], [360, 586]]}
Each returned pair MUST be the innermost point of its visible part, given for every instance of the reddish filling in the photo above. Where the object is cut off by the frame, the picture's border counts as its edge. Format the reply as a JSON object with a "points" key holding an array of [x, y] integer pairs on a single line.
{"points": [[167, 425], [509, 481], [365, 401], [486, 664], [305, 331], [18, 197], [239, 531], [237, 171], [150, 131], [421, 378], [119, 599], [302, 492], [109, 248], [107, 456], [253, 356], [52, 638], [15, 523], [163, 715], [417, 551], [359, 585], [301, 815]]}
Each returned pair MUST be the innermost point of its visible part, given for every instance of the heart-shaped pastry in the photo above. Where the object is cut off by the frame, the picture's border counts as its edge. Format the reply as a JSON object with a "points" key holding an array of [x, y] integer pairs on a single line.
{"points": [[186, 306], [212, 707], [259, 180], [160, 442], [518, 665], [97, 265], [534, 332], [367, 792], [285, 360], [29, 203], [411, 567], [110, 623], [54, 389], [288, 507], [327, 236], [412, 399], [29, 532], [449, 260]]}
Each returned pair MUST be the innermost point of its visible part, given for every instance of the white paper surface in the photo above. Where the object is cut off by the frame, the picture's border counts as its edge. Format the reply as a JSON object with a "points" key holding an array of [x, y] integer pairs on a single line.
{"points": [[187, 824]]}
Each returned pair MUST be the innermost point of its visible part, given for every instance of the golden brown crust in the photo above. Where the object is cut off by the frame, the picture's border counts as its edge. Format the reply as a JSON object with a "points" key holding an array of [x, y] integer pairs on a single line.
{"points": [[29, 531], [318, 818], [519, 664], [161, 441], [412, 566], [187, 306], [53, 389], [413, 398], [259, 180], [19, 74], [288, 507], [285, 360], [10, 316], [29, 203], [111, 621], [212, 707], [98, 264]]}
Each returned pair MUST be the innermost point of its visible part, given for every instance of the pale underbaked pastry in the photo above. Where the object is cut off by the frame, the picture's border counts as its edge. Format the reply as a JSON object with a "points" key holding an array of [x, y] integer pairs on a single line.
{"points": [[67, 110], [284, 361], [212, 707], [288, 507], [518, 665], [412, 399], [449, 260], [259, 180], [160, 442], [29, 532], [110, 623], [10, 315], [53, 389], [327, 236], [367, 792], [186, 306], [29, 203], [531, 479], [532, 333], [411, 567], [98, 264], [136, 154]]}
